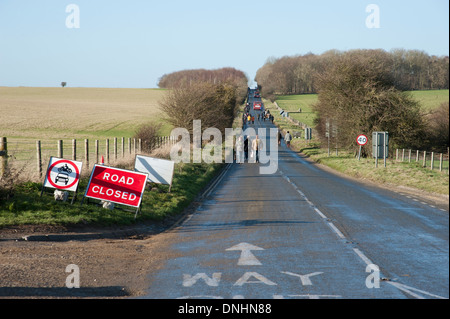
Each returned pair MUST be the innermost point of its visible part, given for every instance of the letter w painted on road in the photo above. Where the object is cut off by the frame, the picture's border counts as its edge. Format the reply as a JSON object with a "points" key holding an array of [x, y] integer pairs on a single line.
{"points": [[189, 281]]}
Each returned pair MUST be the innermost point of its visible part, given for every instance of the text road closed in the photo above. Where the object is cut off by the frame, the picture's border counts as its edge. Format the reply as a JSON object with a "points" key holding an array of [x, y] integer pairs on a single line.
{"points": [[116, 185]]}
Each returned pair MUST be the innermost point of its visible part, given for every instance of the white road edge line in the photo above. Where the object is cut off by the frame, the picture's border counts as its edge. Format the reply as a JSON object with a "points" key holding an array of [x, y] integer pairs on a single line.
{"points": [[337, 231], [408, 289], [320, 213], [362, 256]]}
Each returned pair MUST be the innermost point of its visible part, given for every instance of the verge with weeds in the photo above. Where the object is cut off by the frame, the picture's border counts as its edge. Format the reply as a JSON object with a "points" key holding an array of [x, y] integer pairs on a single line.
{"points": [[26, 206]]}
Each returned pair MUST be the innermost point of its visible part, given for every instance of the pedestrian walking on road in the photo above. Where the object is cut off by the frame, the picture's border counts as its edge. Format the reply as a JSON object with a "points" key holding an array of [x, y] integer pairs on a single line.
{"points": [[240, 150], [288, 139], [279, 137], [246, 148], [257, 145], [253, 119]]}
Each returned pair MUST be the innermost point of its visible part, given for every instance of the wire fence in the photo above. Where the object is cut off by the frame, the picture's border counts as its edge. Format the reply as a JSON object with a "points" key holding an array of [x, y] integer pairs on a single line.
{"points": [[34, 155], [431, 160]]}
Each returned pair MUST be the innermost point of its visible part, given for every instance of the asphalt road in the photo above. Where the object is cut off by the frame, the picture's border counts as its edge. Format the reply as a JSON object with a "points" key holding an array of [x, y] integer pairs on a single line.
{"points": [[305, 233]]}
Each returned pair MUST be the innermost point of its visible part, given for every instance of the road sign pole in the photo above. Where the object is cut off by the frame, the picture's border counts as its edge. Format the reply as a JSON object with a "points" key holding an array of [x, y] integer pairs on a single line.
{"points": [[361, 140], [385, 149], [376, 150]]}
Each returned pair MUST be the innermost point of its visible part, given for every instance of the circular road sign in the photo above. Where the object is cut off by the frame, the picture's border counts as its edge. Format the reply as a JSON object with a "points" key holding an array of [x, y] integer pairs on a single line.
{"points": [[361, 140], [63, 174]]}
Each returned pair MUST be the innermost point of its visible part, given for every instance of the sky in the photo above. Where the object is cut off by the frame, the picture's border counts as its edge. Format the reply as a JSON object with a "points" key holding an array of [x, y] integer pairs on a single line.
{"points": [[132, 43]]}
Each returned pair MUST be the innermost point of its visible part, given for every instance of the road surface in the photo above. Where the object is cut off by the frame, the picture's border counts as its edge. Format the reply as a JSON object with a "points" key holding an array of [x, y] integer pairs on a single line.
{"points": [[305, 233]]}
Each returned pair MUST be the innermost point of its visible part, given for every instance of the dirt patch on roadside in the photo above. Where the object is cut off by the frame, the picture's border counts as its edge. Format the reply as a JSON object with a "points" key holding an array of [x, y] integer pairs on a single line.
{"points": [[113, 262]]}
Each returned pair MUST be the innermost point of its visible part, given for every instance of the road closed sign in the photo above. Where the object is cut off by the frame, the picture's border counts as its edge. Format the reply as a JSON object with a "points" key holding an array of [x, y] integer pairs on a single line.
{"points": [[63, 174], [116, 185]]}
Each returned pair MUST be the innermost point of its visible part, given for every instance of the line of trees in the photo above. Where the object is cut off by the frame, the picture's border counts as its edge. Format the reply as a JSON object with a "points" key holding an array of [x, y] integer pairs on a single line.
{"points": [[186, 78], [410, 70]]}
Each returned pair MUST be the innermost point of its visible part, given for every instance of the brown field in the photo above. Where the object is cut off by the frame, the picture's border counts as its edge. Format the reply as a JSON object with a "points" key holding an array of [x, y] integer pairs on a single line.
{"points": [[59, 113]]}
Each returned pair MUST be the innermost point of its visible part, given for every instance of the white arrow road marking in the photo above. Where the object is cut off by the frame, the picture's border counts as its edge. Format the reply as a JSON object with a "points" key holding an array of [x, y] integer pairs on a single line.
{"points": [[247, 258]]}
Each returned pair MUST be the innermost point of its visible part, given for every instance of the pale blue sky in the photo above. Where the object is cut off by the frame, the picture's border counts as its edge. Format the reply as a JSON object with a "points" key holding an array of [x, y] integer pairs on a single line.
{"points": [[133, 43]]}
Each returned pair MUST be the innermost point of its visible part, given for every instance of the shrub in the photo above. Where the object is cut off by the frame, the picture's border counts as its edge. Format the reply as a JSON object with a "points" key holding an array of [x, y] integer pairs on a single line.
{"points": [[148, 134]]}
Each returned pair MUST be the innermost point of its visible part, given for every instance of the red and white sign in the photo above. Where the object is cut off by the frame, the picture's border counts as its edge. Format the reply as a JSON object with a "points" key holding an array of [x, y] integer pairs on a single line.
{"points": [[361, 140], [257, 105], [116, 185], [63, 174]]}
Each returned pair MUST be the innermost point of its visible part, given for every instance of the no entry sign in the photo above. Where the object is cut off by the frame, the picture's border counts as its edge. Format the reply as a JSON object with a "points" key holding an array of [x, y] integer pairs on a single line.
{"points": [[116, 185], [63, 174]]}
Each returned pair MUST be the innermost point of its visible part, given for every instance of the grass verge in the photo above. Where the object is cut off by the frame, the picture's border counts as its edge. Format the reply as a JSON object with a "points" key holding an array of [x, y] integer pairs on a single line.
{"points": [[397, 173], [26, 207]]}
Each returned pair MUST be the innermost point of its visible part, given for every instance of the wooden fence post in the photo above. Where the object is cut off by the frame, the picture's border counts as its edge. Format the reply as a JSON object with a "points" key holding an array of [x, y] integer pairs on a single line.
{"points": [[115, 148], [39, 158], [3, 155], [74, 149], [60, 149], [123, 146], [424, 158], [107, 151], [432, 160], [441, 157], [96, 151], [86, 152]]}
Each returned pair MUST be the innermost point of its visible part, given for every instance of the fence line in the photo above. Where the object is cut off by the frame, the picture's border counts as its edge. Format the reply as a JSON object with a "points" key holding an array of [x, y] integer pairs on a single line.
{"points": [[428, 159], [40, 151]]}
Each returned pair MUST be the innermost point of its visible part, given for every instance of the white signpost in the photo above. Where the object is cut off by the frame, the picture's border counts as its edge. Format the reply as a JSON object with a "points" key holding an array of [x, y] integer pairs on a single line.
{"points": [[159, 171], [361, 140]]}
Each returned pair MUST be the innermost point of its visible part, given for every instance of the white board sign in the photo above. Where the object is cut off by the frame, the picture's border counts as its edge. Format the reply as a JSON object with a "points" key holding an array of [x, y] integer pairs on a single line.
{"points": [[159, 171], [63, 174]]}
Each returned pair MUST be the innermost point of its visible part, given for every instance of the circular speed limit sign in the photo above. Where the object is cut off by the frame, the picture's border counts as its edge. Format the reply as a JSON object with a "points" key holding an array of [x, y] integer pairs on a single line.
{"points": [[361, 140]]}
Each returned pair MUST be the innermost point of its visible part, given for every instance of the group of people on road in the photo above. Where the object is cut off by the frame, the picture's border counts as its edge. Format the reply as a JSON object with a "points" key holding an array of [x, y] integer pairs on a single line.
{"points": [[248, 118], [247, 148]]}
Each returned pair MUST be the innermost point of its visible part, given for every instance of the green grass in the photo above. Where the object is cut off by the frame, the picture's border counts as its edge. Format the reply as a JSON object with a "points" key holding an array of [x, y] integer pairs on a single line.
{"points": [[293, 103], [27, 207], [395, 173], [431, 99]]}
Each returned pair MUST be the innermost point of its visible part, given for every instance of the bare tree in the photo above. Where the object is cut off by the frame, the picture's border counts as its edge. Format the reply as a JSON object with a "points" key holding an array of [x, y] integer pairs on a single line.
{"points": [[357, 93], [213, 104]]}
